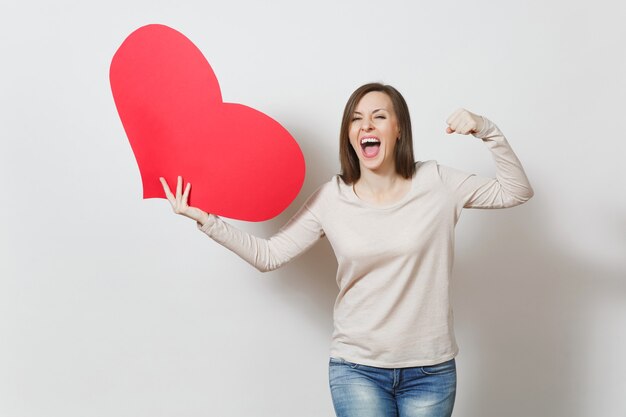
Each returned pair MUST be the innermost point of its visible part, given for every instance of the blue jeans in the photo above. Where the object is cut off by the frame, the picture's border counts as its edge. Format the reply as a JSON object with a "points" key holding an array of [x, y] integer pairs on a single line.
{"points": [[366, 391]]}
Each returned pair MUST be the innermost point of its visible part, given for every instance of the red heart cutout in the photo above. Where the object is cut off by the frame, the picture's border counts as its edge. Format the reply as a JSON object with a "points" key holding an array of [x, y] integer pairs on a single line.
{"points": [[242, 163]]}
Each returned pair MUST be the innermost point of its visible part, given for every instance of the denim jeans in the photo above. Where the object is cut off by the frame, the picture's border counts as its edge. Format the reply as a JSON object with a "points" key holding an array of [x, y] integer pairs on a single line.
{"points": [[367, 391]]}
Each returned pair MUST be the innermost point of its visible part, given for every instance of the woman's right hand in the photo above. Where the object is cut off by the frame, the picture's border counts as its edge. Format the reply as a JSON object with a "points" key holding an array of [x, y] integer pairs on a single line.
{"points": [[179, 202]]}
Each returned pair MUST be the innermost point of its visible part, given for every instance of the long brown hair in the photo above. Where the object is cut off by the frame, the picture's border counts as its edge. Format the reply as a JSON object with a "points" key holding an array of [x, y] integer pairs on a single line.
{"points": [[404, 159]]}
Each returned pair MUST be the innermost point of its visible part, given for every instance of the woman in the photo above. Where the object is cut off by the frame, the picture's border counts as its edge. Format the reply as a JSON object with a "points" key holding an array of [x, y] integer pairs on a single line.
{"points": [[391, 224]]}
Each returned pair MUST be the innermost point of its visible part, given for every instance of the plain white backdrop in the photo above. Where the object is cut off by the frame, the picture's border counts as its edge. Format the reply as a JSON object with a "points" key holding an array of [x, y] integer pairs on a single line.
{"points": [[111, 305]]}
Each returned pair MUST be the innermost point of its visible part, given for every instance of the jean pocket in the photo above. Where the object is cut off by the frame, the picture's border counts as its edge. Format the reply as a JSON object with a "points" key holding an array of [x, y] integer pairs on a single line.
{"points": [[440, 368], [342, 362]]}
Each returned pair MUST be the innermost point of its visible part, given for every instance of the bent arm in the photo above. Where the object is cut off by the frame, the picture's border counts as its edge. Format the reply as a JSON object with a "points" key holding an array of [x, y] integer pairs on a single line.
{"points": [[509, 188], [295, 237]]}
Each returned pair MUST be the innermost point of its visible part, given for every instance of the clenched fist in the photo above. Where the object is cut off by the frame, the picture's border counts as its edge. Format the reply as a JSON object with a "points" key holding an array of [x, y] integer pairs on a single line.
{"points": [[464, 122]]}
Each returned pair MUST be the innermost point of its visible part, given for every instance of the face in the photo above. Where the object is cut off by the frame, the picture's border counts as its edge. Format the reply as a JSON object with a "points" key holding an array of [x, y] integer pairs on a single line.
{"points": [[374, 132]]}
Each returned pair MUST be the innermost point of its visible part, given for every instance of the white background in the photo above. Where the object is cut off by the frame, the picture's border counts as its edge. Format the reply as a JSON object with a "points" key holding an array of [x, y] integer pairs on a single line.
{"points": [[111, 305]]}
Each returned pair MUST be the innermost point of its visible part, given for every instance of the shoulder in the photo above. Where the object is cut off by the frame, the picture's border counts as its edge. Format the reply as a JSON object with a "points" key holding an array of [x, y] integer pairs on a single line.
{"points": [[333, 187], [426, 170], [433, 175], [425, 165], [328, 194], [324, 191], [432, 168]]}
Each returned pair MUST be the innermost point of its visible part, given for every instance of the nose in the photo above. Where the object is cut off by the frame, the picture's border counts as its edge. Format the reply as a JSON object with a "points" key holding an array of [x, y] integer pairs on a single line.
{"points": [[366, 125]]}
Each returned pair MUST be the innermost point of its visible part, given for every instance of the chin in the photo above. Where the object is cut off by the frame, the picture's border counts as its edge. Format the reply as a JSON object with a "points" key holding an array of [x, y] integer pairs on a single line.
{"points": [[372, 165]]}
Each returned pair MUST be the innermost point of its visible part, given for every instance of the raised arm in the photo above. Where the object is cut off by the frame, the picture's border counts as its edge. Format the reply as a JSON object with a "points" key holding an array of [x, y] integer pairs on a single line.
{"points": [[509, 188], [295, 237]]}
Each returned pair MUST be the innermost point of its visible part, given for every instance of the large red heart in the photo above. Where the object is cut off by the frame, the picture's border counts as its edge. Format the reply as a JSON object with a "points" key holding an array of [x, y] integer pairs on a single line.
{"points": [[242, 164]]}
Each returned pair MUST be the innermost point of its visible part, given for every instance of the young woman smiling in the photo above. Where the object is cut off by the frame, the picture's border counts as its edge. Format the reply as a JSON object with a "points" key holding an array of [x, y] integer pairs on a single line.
{"points": [[391, 224]]}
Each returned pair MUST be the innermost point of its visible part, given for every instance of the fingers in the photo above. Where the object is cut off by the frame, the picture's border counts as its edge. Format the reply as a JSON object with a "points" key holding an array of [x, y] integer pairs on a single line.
{"points": [[464, 126], [454, 121], [186, 193], [462, 122], [178, 201], [179, 188], [168, 193], [454, 116]]}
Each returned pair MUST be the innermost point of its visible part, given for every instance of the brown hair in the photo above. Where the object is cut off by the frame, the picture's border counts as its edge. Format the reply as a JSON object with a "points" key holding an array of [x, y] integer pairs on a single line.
{"points": [[404, 159]]}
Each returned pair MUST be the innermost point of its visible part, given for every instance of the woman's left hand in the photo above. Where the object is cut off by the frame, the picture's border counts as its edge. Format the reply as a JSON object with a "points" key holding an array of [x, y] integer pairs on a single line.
{"points": [[464, 122]]}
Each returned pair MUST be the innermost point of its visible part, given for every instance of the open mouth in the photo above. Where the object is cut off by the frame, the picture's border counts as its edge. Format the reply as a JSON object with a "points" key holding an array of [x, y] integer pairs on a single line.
{"points": [[370, 146]]}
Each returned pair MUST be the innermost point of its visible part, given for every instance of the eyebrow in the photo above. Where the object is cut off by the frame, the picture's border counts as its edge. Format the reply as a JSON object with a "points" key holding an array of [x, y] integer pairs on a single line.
{"points": [[356, 112]]}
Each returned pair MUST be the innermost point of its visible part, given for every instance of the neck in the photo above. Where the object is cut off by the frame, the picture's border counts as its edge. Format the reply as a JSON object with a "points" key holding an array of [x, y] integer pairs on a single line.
{"points": [[378, 182], [381, 186]]}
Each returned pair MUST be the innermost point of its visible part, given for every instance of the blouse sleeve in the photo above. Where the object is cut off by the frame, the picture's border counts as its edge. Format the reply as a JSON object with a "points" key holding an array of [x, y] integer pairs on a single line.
{"points": [[509, 188], [294, 238]]}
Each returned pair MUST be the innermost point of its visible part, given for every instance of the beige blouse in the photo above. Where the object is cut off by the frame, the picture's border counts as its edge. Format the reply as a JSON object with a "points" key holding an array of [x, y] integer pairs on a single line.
{"points": [[394, 262]]}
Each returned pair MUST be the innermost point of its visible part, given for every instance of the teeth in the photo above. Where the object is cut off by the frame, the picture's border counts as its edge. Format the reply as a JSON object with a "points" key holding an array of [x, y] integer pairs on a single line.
{"points": [[369, 140]]}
